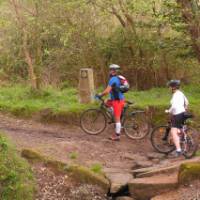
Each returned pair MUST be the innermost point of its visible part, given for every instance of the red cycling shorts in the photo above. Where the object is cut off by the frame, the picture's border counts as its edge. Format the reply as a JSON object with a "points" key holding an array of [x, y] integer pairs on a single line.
{"points": [[118, 106]]}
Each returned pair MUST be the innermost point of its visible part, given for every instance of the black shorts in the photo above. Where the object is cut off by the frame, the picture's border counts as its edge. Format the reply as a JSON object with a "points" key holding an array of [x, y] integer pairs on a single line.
{"points": [[178, 120]]}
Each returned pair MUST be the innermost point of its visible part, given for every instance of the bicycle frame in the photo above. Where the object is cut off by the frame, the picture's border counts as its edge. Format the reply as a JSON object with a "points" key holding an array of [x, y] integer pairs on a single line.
{"points": [[110, 115], [183, 131], [130, 123]]}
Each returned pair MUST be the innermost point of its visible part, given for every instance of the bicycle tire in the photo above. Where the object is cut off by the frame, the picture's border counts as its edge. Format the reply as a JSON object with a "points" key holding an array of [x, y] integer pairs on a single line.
{"points": [[86, 122], [191, 142], [157, 134], [136, 125]]}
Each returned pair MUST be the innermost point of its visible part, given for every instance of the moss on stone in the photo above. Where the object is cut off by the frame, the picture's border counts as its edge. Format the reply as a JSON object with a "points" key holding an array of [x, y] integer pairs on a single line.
{"points": [[56, 165], [85, 175], [79, 173], [32, 155], [189, 172]]}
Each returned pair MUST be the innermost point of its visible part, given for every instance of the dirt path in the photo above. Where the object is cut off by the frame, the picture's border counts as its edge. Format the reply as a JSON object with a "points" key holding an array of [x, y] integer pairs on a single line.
{"points": [[64, 142]]}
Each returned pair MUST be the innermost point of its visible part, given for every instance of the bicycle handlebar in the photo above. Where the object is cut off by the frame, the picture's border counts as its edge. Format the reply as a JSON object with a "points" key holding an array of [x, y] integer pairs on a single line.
{"points": [[98, 98]]}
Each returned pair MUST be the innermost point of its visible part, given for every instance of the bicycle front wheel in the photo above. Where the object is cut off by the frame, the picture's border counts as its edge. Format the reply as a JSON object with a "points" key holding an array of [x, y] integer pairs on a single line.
{"points": [[161, 140], [136, 125], [189, 145], [93, 121]]}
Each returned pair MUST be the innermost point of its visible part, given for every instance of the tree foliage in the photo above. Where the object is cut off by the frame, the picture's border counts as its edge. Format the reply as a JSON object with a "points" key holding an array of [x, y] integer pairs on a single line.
{"points": [[47, 42]]}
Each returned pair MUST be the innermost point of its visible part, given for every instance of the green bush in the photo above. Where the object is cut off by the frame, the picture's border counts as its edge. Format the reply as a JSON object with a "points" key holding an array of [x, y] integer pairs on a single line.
{"points": [[16, 179]]}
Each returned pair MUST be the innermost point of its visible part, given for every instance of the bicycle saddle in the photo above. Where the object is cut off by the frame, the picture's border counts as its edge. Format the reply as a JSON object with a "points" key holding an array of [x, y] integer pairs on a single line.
{"points": [[188, 115]]}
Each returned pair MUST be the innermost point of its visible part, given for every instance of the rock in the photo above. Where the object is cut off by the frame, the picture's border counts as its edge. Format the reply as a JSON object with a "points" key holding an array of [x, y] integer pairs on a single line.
{"points": [[146, 188], [79, 173], [116, 170], [154, 155], [163, 166], [85, 175], [117, 164], [124, 198], [155, 161], [32, 155], [189, 172], [134, 165], [118, 180], [143, 163], [139, 157], [129, 156]]}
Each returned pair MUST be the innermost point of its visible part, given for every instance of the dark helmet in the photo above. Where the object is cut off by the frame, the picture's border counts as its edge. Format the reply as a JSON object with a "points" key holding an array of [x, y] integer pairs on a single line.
{"points": [[114, 66], [174, 83]]}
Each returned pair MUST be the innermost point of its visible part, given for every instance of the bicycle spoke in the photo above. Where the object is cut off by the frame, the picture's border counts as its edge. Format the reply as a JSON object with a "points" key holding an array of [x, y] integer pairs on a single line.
{"points": [[189, 145], [93, 121], [159, 140], [136, 126]]}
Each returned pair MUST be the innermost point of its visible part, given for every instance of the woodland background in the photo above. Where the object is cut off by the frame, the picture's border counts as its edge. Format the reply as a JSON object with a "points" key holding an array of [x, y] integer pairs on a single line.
{"points": [[46, 42]]}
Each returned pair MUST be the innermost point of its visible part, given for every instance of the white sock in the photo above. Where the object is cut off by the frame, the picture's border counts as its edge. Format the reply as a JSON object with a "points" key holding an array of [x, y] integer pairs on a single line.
{"points": [[118, 128], [178, 150]]}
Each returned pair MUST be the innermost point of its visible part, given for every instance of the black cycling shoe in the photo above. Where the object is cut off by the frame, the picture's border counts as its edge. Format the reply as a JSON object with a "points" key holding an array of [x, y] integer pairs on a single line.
{"points": [[176, 154]]}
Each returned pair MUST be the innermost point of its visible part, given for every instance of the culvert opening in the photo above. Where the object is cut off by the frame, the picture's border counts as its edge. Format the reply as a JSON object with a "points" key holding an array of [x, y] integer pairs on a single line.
{"points": [[124, 191]]}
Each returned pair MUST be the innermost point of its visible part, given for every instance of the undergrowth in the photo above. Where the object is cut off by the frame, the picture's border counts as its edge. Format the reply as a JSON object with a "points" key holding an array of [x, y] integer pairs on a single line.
{"points": [[16, 179], [22, 101]]}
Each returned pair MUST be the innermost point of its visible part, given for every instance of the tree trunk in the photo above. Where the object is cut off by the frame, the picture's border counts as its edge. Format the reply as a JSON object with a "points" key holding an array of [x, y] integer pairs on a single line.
{"points": [[27, 54], [28, 59], [192, 18]]}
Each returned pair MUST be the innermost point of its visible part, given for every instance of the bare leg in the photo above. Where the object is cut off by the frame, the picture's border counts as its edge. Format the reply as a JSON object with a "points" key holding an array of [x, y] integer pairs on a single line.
{"points": [[117, 119], [118, 107], [176, 138], [116, 135]]}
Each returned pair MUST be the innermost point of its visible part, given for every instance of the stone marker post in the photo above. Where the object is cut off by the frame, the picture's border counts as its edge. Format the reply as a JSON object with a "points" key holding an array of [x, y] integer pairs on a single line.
{"points": [[86, 85]]}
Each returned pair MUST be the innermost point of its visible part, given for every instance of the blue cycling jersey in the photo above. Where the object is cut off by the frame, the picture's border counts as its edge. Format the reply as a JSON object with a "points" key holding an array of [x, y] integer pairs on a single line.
{"points": [[115, 93]]}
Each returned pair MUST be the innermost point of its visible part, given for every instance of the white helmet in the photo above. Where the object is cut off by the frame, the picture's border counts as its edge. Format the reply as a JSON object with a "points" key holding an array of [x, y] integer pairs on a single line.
{"points": [[114, 66]]}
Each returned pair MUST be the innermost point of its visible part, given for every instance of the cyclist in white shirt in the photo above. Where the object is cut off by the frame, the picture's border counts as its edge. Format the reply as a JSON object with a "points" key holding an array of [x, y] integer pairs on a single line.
{"points": [[179, 104]]}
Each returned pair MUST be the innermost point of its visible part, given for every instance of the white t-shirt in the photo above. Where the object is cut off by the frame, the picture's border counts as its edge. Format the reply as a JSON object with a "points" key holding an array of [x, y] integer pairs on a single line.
{"points": [[179, 102]]}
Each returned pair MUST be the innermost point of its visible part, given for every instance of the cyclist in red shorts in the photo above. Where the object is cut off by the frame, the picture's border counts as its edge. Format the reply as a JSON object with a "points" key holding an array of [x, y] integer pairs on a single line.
{"points": [[116, 97]]}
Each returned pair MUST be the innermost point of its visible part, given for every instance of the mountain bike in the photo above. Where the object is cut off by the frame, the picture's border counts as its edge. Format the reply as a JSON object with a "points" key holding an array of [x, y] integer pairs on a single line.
{"points": [[95, 120], [162, 141]]}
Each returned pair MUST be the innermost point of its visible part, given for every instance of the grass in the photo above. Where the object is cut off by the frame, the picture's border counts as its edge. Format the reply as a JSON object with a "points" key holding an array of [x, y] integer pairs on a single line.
{"points": [[197, 153], [22, 101], [96, 168], [160, 97], [73, 155], [16, 179]]}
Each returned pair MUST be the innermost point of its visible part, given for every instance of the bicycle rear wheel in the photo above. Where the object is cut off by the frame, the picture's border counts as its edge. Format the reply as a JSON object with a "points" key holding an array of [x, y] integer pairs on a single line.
{"points": [[93, 121], [136, 125], [189, 145], [161, 141]]}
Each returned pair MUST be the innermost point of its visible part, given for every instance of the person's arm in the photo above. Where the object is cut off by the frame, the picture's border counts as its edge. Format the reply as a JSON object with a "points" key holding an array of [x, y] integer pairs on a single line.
{"points": [[106, 91], [186, 102], [174, 103], [109, 87]]}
